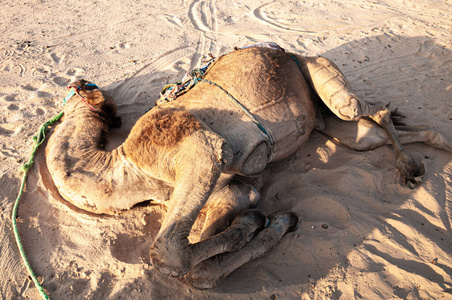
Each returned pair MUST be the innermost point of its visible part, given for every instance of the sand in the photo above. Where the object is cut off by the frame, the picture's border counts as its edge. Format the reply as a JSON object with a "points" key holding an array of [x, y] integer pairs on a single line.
{"points": [[379, 239]]}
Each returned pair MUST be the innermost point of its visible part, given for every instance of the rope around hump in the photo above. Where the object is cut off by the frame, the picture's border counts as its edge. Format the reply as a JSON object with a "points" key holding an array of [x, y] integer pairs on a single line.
{"points": [[38, 139]]}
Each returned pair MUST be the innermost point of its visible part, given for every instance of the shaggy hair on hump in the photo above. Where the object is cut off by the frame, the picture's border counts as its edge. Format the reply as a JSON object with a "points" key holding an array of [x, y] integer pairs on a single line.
{"points": [[166, 128]]}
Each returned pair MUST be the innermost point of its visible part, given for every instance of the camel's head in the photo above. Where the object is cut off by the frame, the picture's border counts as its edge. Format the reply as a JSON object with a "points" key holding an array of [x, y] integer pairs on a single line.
{"points": [[97, 101]]}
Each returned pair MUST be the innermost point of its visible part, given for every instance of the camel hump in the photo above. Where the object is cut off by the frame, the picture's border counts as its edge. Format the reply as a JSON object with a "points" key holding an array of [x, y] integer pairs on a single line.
{"points": [[270, 84]]}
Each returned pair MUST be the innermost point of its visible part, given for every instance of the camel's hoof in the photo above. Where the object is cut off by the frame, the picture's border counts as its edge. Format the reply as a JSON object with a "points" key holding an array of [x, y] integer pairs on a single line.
{"points": [[284, 220], [202, 276], [173, 269], [412, 183], [252, 219], [410, 170]]}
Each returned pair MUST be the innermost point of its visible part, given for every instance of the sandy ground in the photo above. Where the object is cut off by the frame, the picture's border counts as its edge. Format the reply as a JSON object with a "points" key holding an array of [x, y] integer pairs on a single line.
{"points": [[383, 240]]}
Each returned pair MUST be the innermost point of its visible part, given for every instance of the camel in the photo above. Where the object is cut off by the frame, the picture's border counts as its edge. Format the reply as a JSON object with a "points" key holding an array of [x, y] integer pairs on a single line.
{"points": [[203, 153]]}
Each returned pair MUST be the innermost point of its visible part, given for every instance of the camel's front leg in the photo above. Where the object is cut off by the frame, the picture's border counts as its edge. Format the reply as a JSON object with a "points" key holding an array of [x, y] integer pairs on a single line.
{"points": [[335, 91], [209, 273], [195, 179], [171, 253]]}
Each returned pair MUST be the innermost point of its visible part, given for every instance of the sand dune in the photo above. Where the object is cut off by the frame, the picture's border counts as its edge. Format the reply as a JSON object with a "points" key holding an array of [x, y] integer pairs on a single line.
{"points": [[363, 235]]}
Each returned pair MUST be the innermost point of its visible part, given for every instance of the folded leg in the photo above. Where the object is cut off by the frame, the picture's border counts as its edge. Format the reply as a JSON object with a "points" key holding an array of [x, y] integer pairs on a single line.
{"points": [[335, 91], [172, 253], [208, 273], [365, 135], [225, 202]]}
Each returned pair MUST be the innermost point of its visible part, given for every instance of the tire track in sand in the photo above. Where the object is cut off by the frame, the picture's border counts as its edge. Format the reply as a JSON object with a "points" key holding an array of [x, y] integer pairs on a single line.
{"points": [[203, 15], [165, 60], [261, 15]]}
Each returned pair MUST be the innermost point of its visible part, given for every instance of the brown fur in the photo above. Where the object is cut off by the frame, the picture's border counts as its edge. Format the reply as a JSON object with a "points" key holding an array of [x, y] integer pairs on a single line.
{"points": [[166, 127], [157, 135], [100, 101]]}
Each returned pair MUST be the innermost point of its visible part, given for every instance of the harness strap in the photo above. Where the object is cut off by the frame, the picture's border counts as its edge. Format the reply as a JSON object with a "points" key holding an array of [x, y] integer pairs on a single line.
{"points": [[171, 91], [259, 125]]}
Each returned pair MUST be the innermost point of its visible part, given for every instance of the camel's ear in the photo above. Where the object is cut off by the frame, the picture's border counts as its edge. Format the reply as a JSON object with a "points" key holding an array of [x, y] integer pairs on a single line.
{"points": [[116, 122]]}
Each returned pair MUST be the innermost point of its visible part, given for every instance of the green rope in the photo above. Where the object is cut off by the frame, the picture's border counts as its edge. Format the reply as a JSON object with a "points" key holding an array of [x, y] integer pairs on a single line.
{"points": [[38, 139]]}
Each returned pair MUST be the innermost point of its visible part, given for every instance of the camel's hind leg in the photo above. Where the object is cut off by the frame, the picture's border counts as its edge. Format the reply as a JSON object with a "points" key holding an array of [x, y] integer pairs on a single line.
{"points": [[335, 91], [365, 135]]}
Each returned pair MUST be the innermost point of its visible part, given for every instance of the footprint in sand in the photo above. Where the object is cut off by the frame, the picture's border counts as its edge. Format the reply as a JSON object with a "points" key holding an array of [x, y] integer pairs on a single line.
{"points": [[13, 107], [61, 81], [120, 46], [56, 58], [30, 88], [172, 19], [40, 111], [75, 72]]}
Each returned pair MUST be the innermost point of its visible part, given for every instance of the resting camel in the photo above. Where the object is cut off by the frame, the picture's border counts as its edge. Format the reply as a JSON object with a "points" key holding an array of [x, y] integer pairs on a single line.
{"points": [[203, 151]]}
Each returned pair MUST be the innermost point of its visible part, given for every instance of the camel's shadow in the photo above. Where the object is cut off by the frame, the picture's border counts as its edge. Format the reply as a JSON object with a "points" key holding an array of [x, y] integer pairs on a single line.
{"points": [[356, 215]]}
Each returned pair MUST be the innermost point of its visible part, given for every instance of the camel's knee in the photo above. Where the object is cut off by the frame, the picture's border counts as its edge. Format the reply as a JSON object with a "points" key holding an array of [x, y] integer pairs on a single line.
{"points": [[256, 161], [381, 115]]}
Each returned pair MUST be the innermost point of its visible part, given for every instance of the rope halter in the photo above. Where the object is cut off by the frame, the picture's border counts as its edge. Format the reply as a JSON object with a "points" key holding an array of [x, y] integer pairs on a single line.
{"points": [[73, 89]]}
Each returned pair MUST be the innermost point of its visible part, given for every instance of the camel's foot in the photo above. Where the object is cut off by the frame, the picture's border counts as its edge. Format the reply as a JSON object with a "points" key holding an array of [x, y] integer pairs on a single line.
{"points": [[244, 227], [171, 262], [410, 170], [176, 261], [209, 273]]}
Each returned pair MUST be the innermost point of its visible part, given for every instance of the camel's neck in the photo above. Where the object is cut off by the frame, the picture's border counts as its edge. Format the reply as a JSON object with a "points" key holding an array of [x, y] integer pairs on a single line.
{"points": [[82, 138], [92, 178]]}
